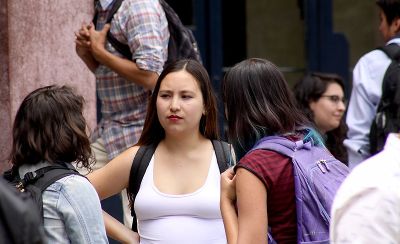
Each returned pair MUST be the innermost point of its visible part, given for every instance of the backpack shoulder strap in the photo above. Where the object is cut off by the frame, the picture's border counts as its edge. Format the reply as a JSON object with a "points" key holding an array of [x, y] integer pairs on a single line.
{"points": [[223, 154], [392, 51], [114, 8], [139, 165], [278, 144], [42, 178], [49, 175], [120, 47]]}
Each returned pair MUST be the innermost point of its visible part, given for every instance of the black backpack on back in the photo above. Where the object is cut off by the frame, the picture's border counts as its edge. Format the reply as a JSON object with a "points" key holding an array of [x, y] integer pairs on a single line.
{"points": [[387, 118], [18, 223], [181, 45], [34, 183], [142, 160]]}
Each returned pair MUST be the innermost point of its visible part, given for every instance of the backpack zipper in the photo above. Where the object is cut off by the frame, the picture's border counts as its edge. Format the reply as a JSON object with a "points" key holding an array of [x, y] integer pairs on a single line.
{"points": [[322, 165]]}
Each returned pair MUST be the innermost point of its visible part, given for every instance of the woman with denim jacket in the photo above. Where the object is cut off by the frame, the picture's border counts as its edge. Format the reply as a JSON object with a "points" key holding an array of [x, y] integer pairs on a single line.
{"points": [[49, 127]]}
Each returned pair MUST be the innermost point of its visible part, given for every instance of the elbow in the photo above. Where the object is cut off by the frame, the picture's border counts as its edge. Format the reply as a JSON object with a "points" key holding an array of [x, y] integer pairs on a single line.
{"points": [[150, 80]]}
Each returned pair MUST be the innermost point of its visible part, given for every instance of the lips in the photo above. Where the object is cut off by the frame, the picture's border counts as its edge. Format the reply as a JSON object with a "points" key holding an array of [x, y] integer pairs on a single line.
{"points": [[174, 117]]}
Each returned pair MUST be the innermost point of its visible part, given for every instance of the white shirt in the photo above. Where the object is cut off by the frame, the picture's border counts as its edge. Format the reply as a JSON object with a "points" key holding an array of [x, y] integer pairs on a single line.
{"points": [[366, 208], [105, 3], [193, 218], [365, 97]]}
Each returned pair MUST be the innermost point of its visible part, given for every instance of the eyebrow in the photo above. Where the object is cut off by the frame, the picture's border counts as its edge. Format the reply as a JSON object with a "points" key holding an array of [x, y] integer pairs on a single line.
{"points": [[182, 91]]}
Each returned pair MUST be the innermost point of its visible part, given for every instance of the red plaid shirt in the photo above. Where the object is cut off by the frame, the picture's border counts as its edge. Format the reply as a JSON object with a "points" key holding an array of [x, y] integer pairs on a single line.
{"points": [[142, 25]]}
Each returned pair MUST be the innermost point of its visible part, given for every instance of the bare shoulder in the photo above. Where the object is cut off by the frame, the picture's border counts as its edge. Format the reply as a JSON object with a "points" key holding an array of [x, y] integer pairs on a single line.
{"points": [[129, 153], [116, 171], [120, 164], [126, 157]]}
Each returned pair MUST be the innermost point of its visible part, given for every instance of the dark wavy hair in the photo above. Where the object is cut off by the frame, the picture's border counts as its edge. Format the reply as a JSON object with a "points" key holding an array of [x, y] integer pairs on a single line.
{"points": [[49, 126], [310, 89], [391, 9], [153, 132], [258, 103]]}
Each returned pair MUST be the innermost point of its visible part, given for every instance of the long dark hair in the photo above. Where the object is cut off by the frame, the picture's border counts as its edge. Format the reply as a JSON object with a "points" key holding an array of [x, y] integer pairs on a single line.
{"points": [[310, 89], [49, 126], [258, 103], [153, 132]]}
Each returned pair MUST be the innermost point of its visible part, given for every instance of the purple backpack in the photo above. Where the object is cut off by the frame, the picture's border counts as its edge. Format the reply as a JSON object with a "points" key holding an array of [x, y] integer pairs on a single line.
{"points": [[317, 177]]}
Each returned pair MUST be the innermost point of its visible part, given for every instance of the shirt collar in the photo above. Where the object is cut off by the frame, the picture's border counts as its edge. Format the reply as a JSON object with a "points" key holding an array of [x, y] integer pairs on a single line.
{"points": [[105, 3], [395, 39]]}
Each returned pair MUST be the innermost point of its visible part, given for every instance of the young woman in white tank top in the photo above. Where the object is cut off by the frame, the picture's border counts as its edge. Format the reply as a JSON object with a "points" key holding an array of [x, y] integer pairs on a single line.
{"points": [[178, 199]]}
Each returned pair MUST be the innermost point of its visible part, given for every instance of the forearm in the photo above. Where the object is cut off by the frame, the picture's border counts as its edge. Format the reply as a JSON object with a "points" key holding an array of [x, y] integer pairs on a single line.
{"points": [[230, 219], [118, 231], [126, 68], [359, 119], [90, 62]]}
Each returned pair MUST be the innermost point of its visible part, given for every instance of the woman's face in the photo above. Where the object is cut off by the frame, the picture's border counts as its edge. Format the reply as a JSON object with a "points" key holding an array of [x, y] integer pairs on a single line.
{"points": [[328, 110], [180, 103]]}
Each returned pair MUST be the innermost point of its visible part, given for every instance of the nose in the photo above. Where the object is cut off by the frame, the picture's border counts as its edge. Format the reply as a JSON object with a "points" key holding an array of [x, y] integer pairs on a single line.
{"points": [[175, 104], [341, 106]]}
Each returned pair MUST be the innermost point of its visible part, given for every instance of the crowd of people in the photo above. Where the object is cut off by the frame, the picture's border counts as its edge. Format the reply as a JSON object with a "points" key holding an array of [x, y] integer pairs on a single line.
{"points": [[183, 197]]}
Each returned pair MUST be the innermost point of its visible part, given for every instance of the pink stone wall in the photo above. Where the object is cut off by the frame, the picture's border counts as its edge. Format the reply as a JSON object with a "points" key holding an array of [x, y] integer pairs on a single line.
{"points": [[38, 49], [5, 125]]}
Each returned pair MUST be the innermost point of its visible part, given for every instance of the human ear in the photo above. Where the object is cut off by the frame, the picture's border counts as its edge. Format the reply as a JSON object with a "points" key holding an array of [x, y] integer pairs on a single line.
{"points": [[312, 105], [396, 25]]}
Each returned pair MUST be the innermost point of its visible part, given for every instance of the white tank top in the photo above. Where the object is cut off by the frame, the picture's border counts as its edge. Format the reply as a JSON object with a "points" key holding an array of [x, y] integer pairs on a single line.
{"points": [[193, 218]]}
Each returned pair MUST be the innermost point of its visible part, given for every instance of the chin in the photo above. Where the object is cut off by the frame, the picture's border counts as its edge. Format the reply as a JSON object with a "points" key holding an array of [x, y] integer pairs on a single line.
{"points": [[332, 128]]}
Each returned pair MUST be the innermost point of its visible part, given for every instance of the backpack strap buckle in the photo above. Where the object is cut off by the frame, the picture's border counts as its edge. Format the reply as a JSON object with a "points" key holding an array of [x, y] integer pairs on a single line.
{"points": [[20, 186], [28, 178]]}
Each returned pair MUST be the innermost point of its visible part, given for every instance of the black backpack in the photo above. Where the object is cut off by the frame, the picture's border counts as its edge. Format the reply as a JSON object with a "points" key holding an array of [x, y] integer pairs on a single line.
{"points": [[34, 183], [387, 118], [18, 223], [181, 45], [142, 160]]}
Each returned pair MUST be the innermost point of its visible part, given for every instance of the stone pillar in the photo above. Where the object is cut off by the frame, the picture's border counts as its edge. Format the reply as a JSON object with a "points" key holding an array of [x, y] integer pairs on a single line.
{"points": [[37, 49]]}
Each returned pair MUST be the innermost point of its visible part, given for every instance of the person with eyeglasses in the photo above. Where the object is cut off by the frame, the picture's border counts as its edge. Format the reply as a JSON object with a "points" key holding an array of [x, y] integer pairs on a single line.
{"points": [[321, 97]]}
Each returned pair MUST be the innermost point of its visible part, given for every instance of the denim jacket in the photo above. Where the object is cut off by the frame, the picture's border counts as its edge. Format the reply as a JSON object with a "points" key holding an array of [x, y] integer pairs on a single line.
{"points": [[71, 210]]}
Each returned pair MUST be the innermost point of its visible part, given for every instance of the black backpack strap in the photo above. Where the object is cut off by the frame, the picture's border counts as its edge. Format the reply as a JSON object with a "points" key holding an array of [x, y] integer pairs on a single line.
{"points": [[392, 51], [138, 169], [119, 46], [37, 182], [114, 8], [223, 153]]}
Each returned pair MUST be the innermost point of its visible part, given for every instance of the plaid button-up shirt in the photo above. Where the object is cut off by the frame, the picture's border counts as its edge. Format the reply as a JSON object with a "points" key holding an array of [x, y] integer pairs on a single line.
{"points": [[142, 25]]}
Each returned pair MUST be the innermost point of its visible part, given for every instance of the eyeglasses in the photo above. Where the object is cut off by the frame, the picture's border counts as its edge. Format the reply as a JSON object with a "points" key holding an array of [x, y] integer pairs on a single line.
{"points": [[336, 99]]}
